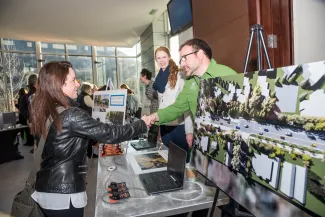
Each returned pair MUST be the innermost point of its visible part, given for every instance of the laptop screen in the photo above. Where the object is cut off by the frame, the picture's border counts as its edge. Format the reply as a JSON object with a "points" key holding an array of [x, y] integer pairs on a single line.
{"points": [[176, 162], [153, 134], [9, 118]]}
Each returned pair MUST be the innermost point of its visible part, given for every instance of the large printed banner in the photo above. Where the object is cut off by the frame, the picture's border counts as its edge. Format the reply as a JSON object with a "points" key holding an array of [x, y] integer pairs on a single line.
{"points": [[109, 106], [260, 137]]}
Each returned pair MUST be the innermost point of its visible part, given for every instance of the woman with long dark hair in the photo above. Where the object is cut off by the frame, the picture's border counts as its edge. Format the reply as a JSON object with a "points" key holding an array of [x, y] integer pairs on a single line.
{"points": [[169, 83], [60, 187]]}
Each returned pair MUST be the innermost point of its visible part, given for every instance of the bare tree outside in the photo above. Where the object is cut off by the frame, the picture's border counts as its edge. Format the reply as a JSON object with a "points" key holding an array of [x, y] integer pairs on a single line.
{"points": [[15, 69]]}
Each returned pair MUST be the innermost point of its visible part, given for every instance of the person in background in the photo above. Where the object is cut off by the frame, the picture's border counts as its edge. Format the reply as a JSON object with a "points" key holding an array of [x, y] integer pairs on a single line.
{"points": [[95, 88], [60, 187], [132, 105], [24, 106], [103, 88], [169, 83], [197, 63], [84, 99], [21, 119], [151, 94]]}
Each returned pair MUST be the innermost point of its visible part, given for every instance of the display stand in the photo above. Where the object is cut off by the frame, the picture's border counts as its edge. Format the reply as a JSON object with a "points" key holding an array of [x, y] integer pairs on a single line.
{"points": [[109, 84], [258, 30]]}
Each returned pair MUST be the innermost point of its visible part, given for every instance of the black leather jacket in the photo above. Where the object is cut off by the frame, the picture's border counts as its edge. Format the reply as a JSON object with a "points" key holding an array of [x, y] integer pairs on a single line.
{"points": [[64, 162], [82, 104]]}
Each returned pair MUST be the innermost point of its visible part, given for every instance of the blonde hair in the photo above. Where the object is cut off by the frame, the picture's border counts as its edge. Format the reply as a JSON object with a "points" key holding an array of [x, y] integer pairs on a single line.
{"points": [[173, 68]]}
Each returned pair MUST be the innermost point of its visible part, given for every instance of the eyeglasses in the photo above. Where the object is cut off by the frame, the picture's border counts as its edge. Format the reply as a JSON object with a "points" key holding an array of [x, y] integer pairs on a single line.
{"points": [[183, 58]]}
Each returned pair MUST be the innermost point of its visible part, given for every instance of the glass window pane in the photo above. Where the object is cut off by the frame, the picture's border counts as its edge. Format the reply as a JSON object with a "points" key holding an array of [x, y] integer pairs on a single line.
{"points": [[52, 48], [19, 45], [138, 48], [122, 51], [106, 68], [49, 58], [127, 69], [141, 86], [174, 46], [17, 68], [79, 49], [82, 67], [105, 51]]}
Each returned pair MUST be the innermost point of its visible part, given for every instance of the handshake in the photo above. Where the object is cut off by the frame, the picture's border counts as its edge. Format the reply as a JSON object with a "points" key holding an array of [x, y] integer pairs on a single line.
{"points": [[150, 119]]}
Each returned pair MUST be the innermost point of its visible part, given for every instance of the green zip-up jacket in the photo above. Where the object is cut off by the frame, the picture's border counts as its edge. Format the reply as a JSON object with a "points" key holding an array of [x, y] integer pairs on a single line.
{"points": [[187, 99]]}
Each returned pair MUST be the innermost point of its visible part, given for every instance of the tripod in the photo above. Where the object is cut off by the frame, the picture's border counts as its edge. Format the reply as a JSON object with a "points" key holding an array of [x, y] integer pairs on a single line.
{"points": [[258, 30]]}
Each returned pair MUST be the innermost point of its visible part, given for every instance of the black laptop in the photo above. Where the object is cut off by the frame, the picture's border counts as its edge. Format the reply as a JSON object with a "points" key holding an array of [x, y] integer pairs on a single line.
{"points": [[170, 180], [151, 142]]}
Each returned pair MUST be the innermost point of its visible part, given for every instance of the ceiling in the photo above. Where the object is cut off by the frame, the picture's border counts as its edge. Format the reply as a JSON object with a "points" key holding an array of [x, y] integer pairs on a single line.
{"points": [[115, 23]]}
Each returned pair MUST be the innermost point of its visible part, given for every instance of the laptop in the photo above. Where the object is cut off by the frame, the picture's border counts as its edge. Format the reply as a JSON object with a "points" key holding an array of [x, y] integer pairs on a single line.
{"points": [[170, 180], [151, 142], [9, 119]]}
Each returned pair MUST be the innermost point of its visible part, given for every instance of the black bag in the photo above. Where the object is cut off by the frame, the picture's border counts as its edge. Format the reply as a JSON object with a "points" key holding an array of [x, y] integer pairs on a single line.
{"points": [[138, 113], [24, 205]]}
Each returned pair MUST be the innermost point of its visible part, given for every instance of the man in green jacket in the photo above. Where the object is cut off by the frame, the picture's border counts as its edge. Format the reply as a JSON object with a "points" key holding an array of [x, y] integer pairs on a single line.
{"points": [[197, 63]]}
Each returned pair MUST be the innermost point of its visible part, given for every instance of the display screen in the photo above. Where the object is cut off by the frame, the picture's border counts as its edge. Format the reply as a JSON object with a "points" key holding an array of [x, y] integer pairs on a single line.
{"points": [[180, 15]]}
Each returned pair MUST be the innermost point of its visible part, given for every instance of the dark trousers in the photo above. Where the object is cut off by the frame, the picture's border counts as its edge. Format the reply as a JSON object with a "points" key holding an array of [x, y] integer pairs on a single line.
{"points": [[175, 134], [71, 212], [30, 137]]}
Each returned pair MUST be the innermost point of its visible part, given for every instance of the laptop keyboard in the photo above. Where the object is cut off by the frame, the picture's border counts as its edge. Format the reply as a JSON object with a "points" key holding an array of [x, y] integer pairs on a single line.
{"points": [[163, 181]]}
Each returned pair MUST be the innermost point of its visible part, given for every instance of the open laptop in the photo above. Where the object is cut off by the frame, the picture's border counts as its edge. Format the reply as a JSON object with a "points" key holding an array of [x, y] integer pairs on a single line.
{"points": [[151, 142], [9, 119], [170, 180]]}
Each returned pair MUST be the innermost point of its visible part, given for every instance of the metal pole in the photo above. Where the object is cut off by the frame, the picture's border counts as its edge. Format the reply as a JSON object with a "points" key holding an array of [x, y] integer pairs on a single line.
{"points": [[248, 50], [258, 47], [265, 50], [214, 202]]}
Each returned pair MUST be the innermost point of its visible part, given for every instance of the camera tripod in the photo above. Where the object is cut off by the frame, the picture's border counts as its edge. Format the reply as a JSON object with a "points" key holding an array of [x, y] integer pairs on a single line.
{"points": [[258, 30]]}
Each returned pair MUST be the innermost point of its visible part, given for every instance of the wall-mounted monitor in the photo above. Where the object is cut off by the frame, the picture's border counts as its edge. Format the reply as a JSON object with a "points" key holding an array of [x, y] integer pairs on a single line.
{"points": [[180, 15]]}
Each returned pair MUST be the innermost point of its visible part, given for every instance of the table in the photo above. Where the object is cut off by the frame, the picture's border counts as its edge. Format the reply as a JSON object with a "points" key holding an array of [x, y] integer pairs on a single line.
{"points": [[194, 196], [9, 151]]}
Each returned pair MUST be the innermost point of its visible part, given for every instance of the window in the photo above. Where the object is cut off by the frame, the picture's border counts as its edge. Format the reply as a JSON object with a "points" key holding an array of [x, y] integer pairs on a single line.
{"points": [[18, 61], [141, 86], [82, 67], [49, 58], [127, 69], [13, 45], [105, 51], [52, 48], [138, 48], [121, 51], [106, 69], [16, 67], [174, 47], [79, 49]]}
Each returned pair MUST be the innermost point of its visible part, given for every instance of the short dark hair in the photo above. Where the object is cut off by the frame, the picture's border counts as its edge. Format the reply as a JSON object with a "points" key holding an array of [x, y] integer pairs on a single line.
{"points": [[147, 73], [198, 44]]}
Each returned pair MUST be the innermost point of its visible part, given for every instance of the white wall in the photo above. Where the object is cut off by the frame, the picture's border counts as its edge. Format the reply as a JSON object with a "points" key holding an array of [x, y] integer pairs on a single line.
{"points": [[186, 35], [309, 30]]}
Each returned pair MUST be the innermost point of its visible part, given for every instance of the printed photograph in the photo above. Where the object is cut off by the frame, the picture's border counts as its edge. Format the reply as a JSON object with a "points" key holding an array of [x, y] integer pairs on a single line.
{"points": [[268, 127], [115, 117], [150, 161], [101, 102]]}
